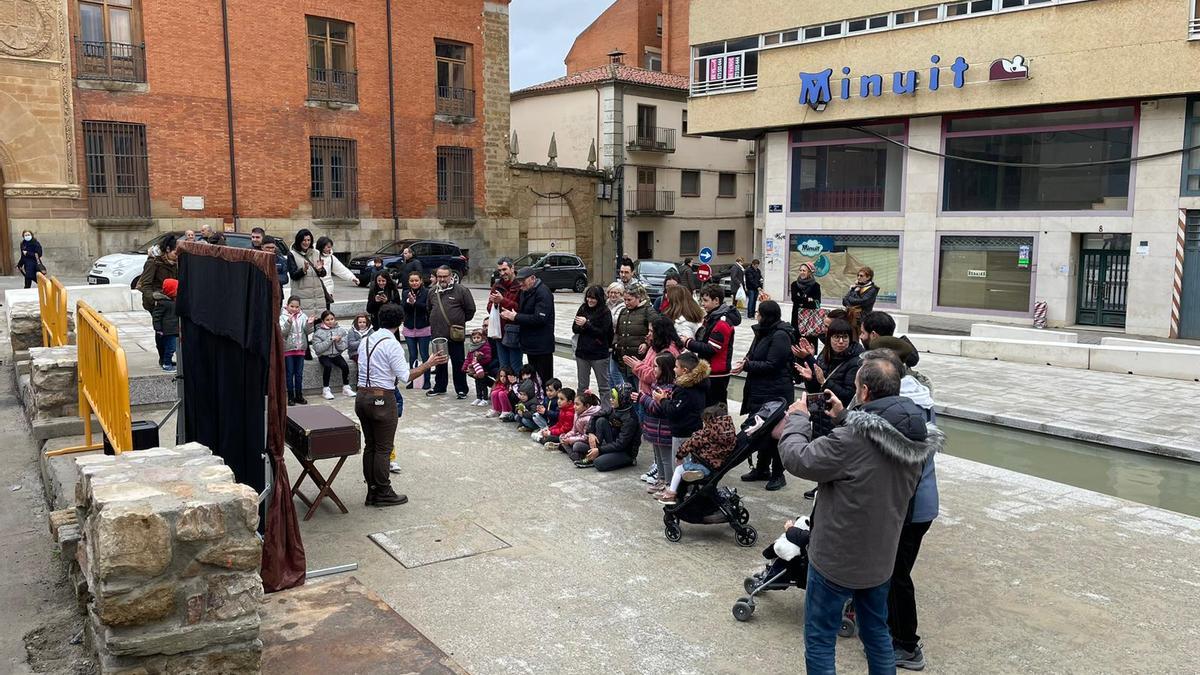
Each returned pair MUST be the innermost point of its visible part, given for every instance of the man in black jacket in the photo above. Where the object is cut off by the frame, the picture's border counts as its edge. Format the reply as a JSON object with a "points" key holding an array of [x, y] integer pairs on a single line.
{"points": [[754, 284], [535, 316], [411, 264]]}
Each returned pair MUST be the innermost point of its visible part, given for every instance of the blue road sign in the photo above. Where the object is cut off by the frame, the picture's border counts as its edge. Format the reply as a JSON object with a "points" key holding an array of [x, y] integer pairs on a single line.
{"points": [[706, 255]]}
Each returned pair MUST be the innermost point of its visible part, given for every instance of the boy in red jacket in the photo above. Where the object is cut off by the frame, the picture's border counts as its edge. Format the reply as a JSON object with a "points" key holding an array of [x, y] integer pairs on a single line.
{"points": [[714, 341], [566, 418]]}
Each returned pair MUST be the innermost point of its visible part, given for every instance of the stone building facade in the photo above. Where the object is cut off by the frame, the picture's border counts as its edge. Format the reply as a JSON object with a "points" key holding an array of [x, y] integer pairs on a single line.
{"points": [[124, 120]]}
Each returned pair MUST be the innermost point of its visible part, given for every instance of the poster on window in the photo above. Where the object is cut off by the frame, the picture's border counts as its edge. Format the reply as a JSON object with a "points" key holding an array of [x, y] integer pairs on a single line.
{"points": [[716, 68], [836, 260], [733, 67]]}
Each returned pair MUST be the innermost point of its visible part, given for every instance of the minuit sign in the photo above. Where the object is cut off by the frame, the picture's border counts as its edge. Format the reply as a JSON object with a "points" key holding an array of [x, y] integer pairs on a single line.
{"points": [[816, 88]]}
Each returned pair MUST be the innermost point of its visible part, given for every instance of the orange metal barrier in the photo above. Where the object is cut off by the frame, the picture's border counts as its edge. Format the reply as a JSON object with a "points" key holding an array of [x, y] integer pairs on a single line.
{"points": [[52, 301], [103, 382]]}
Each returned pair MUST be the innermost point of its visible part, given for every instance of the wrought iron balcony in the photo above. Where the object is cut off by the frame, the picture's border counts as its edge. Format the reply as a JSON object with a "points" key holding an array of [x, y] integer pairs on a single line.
{"points": [[455, 101], [649, 202], [337, 86], [112, 61], [650, 139]]}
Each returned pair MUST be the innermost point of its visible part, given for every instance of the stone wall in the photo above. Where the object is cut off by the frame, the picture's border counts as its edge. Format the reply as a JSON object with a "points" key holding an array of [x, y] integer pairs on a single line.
{"points": [[169, 560], [573, 193], [54, 380]]}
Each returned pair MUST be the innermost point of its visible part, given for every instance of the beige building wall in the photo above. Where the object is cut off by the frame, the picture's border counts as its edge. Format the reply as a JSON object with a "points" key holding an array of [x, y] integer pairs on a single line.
{"points": [[1082, 51], [569, 115]]}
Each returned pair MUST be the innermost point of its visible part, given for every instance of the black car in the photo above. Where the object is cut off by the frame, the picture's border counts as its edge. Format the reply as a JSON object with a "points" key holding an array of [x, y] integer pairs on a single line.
{"points": [[556, 270], [431, 252]]}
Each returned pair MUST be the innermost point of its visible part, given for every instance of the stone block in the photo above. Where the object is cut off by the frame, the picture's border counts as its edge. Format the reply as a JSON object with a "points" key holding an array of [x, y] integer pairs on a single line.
{"points": [[138, 606], [24, 329], [129, 540], [1062, 354], [948, 345], [987, 330], [1167, 363], [245, 657], [1149, 344], [245, 554], [60, 518], [167, 638], [54, 381], [205, 521]]}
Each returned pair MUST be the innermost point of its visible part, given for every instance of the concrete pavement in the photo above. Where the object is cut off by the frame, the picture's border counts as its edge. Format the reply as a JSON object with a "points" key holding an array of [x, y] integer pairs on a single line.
{"points": [[1126, 411]]}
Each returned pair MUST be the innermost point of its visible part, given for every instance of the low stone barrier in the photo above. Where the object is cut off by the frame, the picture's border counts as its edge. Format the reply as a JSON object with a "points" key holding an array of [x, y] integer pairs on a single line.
{"points": [[1148, 344], [54, 382], [169, 561], [989, 330]]}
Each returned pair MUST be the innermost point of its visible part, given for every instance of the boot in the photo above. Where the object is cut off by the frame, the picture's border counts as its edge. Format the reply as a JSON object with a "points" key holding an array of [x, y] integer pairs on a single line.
{"points": [[386, 496], [291, 399], [755, 475], [776, 483], [300, 400], [370, 496]]}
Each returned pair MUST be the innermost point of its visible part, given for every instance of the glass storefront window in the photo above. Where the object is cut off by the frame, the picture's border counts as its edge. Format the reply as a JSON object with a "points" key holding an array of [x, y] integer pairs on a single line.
{"points": [[836, 258], [1053, 137], [985, 272], [841, 169]]}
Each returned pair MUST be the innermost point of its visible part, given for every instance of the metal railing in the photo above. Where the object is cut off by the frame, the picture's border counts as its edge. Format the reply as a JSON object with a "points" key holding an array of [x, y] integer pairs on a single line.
{"points": [[650, 202], [458, 209], [113, 61], [841, 199], [103, 383], [456, 101], [749, 203], [651, 139], [52, 302], [340, 86], [744, 83], [1194, 27]]}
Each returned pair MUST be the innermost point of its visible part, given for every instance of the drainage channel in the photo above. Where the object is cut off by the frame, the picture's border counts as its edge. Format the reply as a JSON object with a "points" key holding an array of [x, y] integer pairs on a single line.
{"points": [[1153, 480]]}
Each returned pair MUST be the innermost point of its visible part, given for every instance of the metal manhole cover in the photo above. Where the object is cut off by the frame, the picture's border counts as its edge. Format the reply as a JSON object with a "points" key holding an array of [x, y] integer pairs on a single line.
{"points": [[437, 542]]}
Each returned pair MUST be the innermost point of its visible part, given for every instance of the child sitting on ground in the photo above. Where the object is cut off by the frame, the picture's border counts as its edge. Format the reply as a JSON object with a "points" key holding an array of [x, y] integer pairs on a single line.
{"points": [[295, 326], [703, 453], [545, 412], [613, 435], [656, 430], [525, 395], [501, 404], [328, 343], [166, 324], [685, 403], [587, 406], [565, 403], [479, 357], [354, 337]]}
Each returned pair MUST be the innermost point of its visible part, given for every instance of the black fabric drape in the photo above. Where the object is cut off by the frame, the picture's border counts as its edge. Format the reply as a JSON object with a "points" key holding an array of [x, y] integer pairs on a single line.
{"points": [[232, 358]]}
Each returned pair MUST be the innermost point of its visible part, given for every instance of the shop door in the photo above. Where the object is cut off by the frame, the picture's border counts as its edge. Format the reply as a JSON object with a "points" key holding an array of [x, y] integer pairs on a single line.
{"points": [[1189, 305], [645, 245], [1103, 280]]}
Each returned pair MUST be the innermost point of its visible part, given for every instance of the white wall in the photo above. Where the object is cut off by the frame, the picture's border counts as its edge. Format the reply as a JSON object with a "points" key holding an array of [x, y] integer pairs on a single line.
{"points": [[569, 115]]}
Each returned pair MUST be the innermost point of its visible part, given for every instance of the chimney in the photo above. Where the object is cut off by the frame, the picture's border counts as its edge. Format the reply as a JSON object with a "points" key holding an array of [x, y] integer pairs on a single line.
{"points": [[616, 56]]}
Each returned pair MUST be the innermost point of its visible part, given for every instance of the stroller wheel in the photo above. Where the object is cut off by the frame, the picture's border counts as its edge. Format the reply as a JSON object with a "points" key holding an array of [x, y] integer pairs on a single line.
{"points": [[746, 536], [849, 629], [743, 516], [750, 583], [672, 532], [743, 609]]}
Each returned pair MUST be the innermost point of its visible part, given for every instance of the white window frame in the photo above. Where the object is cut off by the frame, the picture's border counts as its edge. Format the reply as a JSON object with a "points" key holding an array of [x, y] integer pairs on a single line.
{"points": [[1194, 21]]}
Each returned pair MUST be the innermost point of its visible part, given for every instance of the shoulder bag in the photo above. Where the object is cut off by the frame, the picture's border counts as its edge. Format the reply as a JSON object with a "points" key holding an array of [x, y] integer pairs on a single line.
{"points": [[458, 333]]}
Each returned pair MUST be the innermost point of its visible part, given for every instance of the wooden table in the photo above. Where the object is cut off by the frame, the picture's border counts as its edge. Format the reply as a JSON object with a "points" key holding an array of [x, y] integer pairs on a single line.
{"points": [[317, 432]]}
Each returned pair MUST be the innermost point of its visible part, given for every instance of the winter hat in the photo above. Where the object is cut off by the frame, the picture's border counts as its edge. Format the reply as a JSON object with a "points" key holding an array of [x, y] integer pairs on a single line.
{"points": [[170, 287]]}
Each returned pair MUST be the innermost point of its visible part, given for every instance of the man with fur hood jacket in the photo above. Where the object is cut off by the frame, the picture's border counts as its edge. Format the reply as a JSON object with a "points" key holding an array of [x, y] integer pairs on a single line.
{"points": [[867, 470]]}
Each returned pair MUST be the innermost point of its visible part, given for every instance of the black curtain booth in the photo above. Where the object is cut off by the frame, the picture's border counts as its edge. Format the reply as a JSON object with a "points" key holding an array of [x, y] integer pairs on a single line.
{"points": [[234, 402]]}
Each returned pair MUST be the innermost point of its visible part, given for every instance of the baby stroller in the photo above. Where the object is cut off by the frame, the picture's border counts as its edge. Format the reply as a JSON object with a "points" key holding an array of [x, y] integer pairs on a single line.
{"points": [[787, 566], [705, 502]]}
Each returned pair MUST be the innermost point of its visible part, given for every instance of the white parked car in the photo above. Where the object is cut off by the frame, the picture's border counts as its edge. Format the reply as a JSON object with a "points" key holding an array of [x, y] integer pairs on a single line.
{"points": [[124, 268]]}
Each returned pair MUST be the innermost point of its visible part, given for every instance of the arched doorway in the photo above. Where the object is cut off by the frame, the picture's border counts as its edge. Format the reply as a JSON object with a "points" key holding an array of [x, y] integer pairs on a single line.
{"points": [[6, 260]]}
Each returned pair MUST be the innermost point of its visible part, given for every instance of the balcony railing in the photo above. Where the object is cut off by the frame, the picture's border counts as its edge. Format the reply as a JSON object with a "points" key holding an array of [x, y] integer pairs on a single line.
{"points": [[1194, 25], [457, 209], [749, 203], [849, 199], [112, 61], [456, 101], [650, 202], [651, 139], [744, 83], [337, 86]]}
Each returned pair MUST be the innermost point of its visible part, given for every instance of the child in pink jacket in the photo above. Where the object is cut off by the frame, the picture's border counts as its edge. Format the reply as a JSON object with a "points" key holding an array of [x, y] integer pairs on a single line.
{"points": [[587, 406]]}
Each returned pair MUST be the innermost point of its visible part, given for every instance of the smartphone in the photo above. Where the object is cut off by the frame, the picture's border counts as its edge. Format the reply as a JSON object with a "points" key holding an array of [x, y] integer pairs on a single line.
{"points": [[818, 402]]}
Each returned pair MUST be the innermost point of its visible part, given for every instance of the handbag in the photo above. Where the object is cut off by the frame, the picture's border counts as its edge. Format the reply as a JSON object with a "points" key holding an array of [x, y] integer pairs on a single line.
{"points": [[811, 321], [512, 336], [457, 333]]}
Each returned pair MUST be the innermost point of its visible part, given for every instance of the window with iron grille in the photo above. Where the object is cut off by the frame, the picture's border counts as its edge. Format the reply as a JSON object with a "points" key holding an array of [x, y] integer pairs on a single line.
{"points": [[454, 93], [455, 183], [334, 171], [108, 41], [117, 170], [331, 74]]}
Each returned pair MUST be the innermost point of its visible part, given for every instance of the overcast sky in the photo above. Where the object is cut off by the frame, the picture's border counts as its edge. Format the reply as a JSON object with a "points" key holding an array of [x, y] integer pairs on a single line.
{"points": [[541, 33]]}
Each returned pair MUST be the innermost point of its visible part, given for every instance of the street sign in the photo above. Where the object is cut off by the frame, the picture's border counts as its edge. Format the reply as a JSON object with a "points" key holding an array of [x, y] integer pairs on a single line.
{"points": [[704, 272], [706, 255]]}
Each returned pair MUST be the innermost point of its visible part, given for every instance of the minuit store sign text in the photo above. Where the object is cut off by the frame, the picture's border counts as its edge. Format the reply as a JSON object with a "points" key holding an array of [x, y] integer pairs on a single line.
{"points": [[817, 88]]}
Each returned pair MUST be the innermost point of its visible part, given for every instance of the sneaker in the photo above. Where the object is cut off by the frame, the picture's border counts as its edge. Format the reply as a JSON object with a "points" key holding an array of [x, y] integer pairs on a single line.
{"points": [[393, 467], [914, 660], [347, 391], [656, 487], [326, 394], [507, 417], [666, 497], [479, 401], [693, 476], [168, 368], [552, 446], [491, 413], [433, 392], [461, 397], [651, 475], [536, 436]]}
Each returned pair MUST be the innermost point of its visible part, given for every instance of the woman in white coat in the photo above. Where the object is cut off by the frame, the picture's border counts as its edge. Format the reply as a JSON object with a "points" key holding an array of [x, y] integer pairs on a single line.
{"points": [[333, 267]]}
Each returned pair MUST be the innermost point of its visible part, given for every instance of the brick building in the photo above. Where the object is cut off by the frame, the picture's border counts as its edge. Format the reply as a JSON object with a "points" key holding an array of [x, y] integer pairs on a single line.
{"points": [[653, 34], [239, 114]]}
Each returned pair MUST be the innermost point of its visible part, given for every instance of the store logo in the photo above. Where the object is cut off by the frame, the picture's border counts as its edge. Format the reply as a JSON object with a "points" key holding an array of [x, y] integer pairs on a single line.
{"points": [[817, 88], [1009, 69], [810, 248]]}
